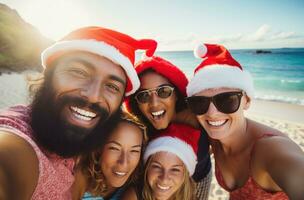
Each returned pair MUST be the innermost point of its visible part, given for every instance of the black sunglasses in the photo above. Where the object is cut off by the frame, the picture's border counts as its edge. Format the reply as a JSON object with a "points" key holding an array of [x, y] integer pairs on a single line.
{"points": [[227, 102], [163, 92]]}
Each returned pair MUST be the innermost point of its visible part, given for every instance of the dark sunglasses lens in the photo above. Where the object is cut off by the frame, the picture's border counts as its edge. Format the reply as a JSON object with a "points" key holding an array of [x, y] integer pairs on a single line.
{"points": [[164, 92], [198, 104], [143, 97], [227, 102]]}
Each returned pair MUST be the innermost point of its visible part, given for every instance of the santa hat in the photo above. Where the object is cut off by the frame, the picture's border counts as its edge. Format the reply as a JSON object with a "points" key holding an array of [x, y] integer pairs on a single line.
{"points": [[165, 69], [218, 69], [178, 139], [117, 47]]}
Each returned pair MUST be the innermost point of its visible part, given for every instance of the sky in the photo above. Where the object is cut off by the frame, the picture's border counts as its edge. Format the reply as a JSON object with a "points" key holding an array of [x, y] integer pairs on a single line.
{"points": [[175, 24]]}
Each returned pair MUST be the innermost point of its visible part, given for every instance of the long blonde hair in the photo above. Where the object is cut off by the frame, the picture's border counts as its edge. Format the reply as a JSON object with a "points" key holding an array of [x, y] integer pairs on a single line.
{"points": [[90, 164], [186, 190]]}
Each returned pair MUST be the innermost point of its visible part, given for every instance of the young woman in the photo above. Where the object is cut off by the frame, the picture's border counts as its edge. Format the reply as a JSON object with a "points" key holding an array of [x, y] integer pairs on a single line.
{"points": [[170, 162], [104, 173], [252, 161], [160, 101]]}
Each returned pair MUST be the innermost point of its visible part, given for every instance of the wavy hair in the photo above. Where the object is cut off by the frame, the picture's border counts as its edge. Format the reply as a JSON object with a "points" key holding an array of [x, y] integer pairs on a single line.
{"points": [[90, 164]]}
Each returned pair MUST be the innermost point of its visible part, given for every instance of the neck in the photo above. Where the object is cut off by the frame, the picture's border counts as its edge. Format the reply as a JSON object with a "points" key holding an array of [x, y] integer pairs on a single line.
{"points": [[238, 140]]}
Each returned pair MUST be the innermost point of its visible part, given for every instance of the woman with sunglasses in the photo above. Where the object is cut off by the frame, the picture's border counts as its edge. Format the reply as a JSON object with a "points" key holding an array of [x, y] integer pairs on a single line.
{"points": [[160, 100], [105, 173], [252, 161]]}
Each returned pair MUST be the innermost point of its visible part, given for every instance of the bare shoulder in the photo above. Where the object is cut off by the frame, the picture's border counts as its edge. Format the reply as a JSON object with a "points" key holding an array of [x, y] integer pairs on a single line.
{"points": [[18, 167], [276, 154], [129, 194]]}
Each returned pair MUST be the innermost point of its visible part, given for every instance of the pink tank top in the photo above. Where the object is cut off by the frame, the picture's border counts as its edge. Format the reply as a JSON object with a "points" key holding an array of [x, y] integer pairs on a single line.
{"points": [[251, 189], [55, 173]]}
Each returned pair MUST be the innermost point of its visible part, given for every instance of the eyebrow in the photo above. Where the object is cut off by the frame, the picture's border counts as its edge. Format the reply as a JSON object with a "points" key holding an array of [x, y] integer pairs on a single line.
{"points": [[170, 166], [117, 78], [89, 65], [117, 143]]}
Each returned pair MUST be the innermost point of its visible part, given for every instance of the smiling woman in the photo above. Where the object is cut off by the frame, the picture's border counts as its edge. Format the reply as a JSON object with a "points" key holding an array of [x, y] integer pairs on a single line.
{"points": [[106, 172]]}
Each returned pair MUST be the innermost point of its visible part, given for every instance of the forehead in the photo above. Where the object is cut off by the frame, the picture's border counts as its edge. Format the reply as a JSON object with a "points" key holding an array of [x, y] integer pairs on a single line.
{"points": [[91, 61], [152, 79], [214, 91], [166, 159], [127, 133]]}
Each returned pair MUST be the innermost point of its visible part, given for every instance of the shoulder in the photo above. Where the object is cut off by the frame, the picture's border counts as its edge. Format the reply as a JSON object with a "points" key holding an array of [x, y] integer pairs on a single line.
{"points": [[129, 194], [19, 166]]}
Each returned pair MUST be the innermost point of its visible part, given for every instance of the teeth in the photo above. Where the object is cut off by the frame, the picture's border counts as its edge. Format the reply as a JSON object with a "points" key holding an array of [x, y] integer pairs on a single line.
{"points": [[217, 123], [158, 113], [82, 117], [83, 113], [163, 187], [120, 173]]}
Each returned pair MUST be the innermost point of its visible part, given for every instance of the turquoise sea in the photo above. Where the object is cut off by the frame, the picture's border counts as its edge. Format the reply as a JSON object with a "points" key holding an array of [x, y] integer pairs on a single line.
{"points": [[278, 76]]}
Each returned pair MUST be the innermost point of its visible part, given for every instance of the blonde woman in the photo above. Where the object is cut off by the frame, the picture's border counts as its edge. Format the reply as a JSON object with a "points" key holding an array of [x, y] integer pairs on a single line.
{"points": [[170, 162], [105, 172]]}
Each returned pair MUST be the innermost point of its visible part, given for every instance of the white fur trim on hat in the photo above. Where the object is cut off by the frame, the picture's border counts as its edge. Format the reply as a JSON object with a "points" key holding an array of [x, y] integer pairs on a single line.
{"points": [[173, 145], [216, 76], [99, 48]]}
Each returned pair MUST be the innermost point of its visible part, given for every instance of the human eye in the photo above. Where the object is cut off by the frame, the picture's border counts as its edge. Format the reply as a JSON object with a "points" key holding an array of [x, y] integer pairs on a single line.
{"points": [[113, 148], [135, 151], [78, 72], [175, 170], [112, 87], [155, 166]]}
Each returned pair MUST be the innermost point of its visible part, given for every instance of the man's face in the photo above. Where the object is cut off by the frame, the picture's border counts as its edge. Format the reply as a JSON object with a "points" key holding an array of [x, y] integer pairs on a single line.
{"points": [[82, 92]]}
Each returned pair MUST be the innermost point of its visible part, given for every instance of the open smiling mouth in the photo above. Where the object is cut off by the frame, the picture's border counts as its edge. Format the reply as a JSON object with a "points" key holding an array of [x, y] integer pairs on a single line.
{"points": [[163, 188], [158, 114], [83, 114], [217, 123]]}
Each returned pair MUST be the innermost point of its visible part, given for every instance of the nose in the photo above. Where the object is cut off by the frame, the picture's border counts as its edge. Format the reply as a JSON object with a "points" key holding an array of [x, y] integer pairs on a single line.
{"points": [[123, 159], [154, 98], [92, 92], [212, 109], [164, 176]]}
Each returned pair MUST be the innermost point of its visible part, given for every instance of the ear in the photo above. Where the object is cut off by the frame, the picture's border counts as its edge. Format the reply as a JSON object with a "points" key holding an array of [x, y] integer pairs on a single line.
{"points": [[247, 102]]}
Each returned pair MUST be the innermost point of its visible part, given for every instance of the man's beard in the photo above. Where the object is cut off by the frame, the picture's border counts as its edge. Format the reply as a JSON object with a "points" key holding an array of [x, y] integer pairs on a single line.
{"points": [[56, 135]]}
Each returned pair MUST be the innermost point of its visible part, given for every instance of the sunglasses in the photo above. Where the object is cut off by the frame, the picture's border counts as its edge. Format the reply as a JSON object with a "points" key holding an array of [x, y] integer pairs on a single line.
{"points": [[227, 102], [163, 92]]}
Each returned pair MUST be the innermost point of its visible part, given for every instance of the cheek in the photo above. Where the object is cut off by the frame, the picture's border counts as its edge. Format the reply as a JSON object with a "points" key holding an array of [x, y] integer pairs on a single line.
{"points": [[134, 161], [143, 108], [151, 176], [200, 119], [107, 159]]}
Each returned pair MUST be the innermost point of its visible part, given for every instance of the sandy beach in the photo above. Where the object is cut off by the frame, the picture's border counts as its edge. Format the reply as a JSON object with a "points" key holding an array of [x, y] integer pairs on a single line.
{"points": [[288, 118]]}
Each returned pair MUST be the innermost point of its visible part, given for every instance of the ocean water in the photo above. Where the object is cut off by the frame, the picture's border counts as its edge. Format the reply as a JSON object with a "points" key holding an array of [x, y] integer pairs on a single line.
{"points": [[278, 76]]}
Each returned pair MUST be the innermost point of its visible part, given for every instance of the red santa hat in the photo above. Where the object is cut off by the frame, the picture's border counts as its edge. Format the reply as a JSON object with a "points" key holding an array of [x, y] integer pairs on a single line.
{"points": [[179, 139], [165, 69], [117, 47], [218, 69]]}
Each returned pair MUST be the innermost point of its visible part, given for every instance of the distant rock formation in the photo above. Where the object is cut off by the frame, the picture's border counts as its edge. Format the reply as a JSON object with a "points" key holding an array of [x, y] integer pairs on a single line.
{"points": [[259, 51], [20, 42]]}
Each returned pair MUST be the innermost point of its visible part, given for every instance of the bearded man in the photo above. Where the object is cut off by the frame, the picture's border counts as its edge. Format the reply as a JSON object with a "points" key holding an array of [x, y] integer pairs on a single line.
{"points": [[86, 76]]}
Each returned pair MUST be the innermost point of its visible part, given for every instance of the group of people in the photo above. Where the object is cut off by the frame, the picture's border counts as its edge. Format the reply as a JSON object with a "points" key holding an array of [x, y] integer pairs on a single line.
{"points": [[76, 140]]}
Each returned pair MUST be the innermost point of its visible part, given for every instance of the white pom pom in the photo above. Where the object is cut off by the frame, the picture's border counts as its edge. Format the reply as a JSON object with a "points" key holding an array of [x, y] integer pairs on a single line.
{"points": [[200, 51]]}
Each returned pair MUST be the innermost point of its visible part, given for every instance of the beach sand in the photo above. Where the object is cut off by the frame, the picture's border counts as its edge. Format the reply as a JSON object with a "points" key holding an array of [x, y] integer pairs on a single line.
{"points": [[287, 118]]}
